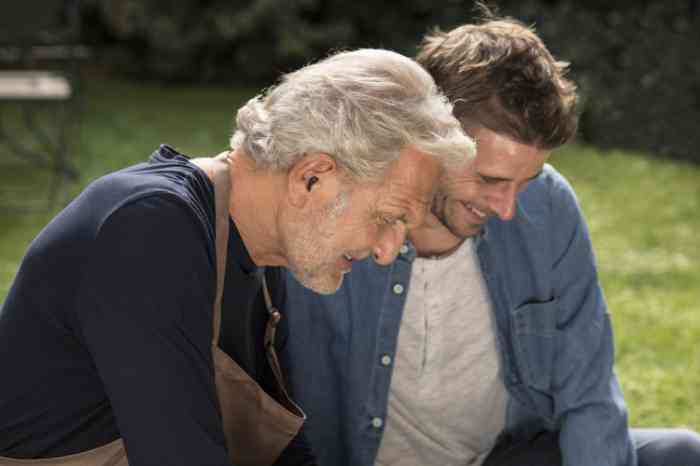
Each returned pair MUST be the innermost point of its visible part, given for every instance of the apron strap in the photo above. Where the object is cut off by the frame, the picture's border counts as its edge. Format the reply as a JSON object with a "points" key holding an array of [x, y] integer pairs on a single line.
{"points": [[218, 169], [222, 189], [270, 331]]}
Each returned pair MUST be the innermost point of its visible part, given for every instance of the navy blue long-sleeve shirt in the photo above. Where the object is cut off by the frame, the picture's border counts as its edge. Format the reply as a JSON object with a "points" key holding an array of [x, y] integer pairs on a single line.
{"points": [[106, 331]]}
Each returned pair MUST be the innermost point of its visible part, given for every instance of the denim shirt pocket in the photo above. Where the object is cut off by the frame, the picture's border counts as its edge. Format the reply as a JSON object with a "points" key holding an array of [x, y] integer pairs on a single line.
{"points": [[534, 333]]}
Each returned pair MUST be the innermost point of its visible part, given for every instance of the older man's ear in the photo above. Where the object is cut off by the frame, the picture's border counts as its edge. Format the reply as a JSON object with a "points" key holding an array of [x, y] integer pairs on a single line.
{"points": [[312, 172]]}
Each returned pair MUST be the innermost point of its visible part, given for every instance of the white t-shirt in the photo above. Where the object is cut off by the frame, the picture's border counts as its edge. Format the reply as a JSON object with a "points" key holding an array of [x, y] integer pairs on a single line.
{"points": [[447, 401]]}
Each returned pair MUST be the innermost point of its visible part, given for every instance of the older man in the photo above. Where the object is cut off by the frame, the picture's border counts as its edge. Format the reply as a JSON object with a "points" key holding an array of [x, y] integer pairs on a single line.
{"points": [[488, 340], [109, 337]]}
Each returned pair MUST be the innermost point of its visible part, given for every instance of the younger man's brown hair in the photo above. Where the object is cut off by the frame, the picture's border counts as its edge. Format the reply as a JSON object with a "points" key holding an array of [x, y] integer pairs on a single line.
{"points": [[499, 75]]}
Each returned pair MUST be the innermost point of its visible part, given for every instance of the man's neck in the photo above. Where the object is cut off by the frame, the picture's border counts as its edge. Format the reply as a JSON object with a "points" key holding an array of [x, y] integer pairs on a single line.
{"points": [[433, 239], [253, 207]]}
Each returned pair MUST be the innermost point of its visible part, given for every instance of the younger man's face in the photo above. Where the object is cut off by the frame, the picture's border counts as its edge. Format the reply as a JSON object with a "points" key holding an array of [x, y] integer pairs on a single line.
{"points": [[488, 186]]}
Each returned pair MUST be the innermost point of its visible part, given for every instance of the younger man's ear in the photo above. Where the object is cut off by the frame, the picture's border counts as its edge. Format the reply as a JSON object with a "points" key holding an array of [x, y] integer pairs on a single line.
{"points": [[313, 171]]}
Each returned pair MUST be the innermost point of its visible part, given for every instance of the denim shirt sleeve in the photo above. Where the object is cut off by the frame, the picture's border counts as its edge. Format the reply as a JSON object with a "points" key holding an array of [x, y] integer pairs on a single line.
{"points": [[588, 401]]}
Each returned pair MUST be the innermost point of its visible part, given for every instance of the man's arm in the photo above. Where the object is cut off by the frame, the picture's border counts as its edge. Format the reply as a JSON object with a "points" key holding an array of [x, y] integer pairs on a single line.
{"points": [[588, 400], [145, 313]]}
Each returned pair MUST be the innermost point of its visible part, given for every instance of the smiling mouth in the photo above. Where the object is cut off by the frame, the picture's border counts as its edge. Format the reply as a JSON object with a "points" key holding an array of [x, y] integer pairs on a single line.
{"points": [[475, 211]]}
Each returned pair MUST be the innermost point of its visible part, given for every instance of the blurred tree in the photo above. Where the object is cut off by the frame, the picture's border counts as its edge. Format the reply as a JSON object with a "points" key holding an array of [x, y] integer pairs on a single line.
{"points": [[637, 61]]}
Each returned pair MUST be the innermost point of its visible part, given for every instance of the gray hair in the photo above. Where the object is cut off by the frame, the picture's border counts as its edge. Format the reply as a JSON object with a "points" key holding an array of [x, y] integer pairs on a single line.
{"points": [[361, 107]]}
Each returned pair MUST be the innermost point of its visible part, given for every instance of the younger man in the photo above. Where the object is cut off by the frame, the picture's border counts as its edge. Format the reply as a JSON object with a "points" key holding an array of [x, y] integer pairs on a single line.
{"points": [[492, 343]]}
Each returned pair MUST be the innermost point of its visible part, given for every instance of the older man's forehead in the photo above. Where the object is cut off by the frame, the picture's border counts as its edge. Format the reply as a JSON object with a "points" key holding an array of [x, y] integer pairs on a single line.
{"points": [[415, 173], [408, 190]]}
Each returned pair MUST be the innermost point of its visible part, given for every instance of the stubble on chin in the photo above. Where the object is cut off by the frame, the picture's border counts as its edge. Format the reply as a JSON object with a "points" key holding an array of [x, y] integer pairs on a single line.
{"points": [[318, 279], [459, 229], [302, 257], [309, 262], [324, 284]]}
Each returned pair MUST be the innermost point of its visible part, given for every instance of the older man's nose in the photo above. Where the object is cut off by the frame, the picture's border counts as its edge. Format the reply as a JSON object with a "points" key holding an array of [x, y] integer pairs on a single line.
{"points": [[389, 241]]}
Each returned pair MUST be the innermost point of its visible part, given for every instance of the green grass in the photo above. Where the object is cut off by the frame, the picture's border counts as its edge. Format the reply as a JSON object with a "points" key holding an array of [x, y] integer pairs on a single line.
{"points": [[644, 217], [122, 123]]}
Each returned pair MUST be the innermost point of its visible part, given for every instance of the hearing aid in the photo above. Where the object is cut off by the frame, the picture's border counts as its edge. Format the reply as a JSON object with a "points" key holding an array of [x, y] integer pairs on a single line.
{"points": [[313, 180]]}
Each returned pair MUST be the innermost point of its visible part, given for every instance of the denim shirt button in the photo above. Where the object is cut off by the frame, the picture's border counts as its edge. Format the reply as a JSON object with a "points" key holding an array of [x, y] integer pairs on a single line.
{"points": [[377, 422], [403, 249], [398, 288], [386, 360]]}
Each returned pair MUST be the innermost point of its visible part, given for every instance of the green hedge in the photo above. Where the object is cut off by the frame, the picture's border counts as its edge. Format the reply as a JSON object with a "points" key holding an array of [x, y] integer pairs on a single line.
{"points": [[637, 62], [638, 66]]}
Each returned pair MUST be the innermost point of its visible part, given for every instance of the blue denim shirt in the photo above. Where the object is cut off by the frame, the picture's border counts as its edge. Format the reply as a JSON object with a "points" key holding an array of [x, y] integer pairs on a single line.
{"points": [[553, 328]]}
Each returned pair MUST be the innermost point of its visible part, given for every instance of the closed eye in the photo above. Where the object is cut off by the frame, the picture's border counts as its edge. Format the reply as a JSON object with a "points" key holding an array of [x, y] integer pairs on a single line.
{"points": [[495, 179], [491, 179], [392, 220]]}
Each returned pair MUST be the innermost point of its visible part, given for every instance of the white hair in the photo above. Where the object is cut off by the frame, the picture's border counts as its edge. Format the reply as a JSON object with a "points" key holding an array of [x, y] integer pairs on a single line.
{"points": [[361, 107]]}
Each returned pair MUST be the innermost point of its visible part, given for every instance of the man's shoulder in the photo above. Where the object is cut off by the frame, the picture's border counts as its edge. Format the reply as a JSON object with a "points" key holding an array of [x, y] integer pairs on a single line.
{"points": [[546, 199], [177, 178], [177, 184], [550, 183]]}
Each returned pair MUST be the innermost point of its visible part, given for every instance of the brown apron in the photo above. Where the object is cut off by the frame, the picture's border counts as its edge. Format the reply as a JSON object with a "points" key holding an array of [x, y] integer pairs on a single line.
{"points": [[257, 428]]}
